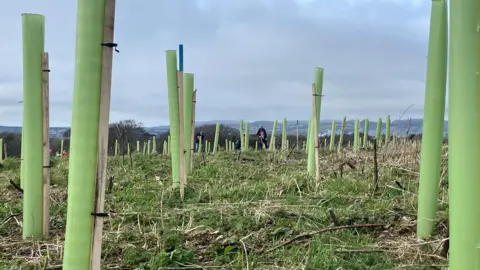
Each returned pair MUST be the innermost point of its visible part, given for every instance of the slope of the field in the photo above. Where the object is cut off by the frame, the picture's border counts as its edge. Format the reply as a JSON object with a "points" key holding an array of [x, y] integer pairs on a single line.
{"points": [[255, 210]]}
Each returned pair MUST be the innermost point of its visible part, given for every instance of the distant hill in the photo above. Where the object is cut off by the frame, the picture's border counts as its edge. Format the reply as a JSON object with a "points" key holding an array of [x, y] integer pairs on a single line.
{"points": [[54, 131], [398, 127]]}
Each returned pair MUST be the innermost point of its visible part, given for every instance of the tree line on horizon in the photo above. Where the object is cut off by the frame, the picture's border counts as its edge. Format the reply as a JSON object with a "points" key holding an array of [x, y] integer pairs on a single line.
{"points": [[130, 131]]}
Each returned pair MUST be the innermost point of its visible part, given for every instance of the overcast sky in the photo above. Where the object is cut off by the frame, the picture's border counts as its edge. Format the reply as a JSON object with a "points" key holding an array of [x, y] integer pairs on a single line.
{"points": [[252, 59]]}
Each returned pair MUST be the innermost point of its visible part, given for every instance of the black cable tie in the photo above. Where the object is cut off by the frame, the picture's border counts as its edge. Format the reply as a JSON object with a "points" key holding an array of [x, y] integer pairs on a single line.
{"points": [[111, 45], [46, 70], [99, 214], [47, 166]]}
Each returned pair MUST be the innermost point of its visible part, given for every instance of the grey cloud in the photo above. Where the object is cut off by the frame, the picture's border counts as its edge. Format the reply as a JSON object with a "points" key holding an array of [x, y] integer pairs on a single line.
{"points": [[252, 59], [11, 116]]}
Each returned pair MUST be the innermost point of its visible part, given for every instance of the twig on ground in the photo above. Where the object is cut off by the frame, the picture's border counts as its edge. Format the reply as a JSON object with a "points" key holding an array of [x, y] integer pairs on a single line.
{"points": [[399, 185], [17, 187], [343, 165], [110, 183], [11, 216], [291, 150], [445, 246], [313, 233], [357, 251], [418, 266], [333, 217]]}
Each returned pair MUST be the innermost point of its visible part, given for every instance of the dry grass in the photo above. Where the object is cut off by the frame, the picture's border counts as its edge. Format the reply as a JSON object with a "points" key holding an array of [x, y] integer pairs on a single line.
{"points": [[258, 210]]}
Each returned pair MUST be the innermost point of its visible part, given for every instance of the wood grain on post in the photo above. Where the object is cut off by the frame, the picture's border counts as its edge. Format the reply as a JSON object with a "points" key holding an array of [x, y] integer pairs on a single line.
{"points": [[46, 143], [183, 172], [106, 85], [193, 128], [315, 132]]}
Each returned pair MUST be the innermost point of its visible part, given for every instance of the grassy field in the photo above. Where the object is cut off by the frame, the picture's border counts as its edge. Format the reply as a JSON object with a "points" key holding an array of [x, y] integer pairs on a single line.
{"points": [[256, 210]]}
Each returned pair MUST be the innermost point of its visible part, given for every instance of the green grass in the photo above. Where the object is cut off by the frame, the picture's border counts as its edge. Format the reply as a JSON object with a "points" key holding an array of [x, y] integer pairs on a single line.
{"points": [[237, 211]]}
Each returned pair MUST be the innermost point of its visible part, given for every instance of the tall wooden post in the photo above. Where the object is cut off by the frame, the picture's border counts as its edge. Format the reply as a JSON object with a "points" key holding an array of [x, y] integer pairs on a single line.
{"points": [[46, 144], [108, 35], [297, 137], [183, 172], [194, 105], [315, 132]]}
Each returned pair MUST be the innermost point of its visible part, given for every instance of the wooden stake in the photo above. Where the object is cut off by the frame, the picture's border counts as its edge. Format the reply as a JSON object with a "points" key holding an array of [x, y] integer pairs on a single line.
{"points": [[183, 172], [46, 144], [297, 136], [242, 138], [193, 128], [375, 166], [106, 85], [315, 133]]}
